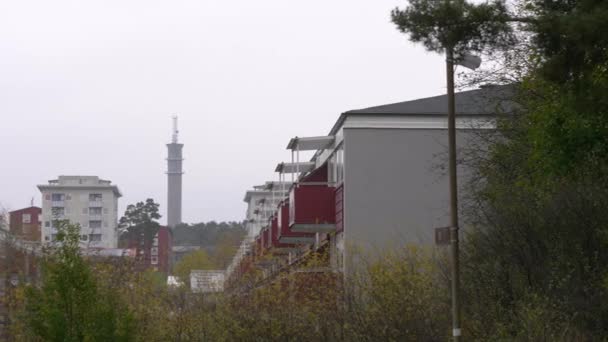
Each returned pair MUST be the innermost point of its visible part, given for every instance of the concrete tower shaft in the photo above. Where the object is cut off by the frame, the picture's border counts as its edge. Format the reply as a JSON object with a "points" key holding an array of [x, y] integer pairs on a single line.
{"points": [[174, 179]]}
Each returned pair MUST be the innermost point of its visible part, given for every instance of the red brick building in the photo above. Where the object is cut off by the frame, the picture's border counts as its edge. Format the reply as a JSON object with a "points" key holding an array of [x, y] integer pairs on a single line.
{"points": [[157, 254], [18, 259], [25, 223]]}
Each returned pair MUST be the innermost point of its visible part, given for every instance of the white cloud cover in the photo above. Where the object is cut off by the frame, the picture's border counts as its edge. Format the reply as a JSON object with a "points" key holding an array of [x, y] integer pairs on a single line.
{"points": [[88, 87]]}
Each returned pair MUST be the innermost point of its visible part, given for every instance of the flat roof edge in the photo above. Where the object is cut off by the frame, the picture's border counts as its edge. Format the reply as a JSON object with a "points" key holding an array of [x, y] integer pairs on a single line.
{"points": [[114, 188]]}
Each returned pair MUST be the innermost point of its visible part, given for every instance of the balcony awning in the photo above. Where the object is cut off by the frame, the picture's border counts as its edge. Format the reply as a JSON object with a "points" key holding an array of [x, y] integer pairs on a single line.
{"points": [[310, 143], [256, 193], [277, 185], [295, 167]]}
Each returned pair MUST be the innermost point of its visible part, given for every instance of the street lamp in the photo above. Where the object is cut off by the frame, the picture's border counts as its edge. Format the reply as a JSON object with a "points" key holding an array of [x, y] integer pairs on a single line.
{"points": [[471, 62]]}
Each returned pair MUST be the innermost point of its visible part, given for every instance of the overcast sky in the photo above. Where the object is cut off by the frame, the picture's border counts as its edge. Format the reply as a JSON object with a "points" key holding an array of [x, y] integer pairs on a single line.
{"points": [[89, 87]]}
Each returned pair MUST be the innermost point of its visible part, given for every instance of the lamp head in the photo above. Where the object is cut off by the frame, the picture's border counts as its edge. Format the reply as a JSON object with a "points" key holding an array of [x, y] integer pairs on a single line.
{"points": [[469, 61]]}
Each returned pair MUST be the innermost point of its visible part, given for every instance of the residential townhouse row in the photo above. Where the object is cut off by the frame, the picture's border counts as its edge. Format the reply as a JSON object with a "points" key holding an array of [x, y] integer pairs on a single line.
{"points": [[377, 181]]}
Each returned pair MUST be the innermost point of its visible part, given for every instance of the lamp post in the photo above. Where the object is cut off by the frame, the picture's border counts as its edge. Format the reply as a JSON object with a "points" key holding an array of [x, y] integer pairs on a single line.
{"points": [[471, 62]]}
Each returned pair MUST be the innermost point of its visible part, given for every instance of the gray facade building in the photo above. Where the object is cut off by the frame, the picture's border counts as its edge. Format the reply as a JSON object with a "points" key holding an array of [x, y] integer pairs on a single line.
{"points": [[388, 165]]}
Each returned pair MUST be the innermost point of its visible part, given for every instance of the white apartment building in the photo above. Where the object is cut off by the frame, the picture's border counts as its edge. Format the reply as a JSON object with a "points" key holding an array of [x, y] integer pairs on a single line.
{"points": [[262, 202], [88, 201]]}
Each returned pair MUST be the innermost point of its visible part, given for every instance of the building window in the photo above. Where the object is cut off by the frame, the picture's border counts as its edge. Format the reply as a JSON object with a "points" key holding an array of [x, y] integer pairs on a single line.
{"points": [[58, 197], [26, 218], [94, 211], [94, 224], [46, 238], [47, 224], [105, 224], [95, 197], [154, 260], [336, 166], [83, 237], [94, 237], [85, 224], [68, 197], [47, 197]]}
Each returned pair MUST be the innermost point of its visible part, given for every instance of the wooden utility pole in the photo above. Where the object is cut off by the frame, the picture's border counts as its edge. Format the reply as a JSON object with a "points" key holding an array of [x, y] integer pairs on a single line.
{"points": [[456, 332]]}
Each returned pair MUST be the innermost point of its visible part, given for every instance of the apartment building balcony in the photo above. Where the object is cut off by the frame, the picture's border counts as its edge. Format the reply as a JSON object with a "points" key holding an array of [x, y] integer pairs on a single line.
{"points": [[278, 247], [95, 204], [310, 143], [294, 168], [58, 217], [285, 234], [313, 208], [262, 245], [95, 224], [60, 204]]}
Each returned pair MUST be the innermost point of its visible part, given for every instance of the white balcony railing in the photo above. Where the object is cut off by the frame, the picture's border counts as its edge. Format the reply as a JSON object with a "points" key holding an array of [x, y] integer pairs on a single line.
{"points": [[95, 204], [58, 204]]}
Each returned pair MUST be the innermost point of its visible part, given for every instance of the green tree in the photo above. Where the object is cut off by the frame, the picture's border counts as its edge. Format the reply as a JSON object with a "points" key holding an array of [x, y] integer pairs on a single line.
{"points": [[207, 234], [535, 260], [140, 224], [197, 260], [68, 306], [224, 250]]}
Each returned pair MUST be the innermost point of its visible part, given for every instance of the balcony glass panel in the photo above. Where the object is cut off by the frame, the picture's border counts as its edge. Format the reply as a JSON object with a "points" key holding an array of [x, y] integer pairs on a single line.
{"points": [[285, 234], [313, 209]]}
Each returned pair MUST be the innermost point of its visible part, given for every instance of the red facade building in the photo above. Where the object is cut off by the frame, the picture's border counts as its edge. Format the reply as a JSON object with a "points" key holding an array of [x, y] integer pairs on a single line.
{"points": [[157, 254], [25, 223]]}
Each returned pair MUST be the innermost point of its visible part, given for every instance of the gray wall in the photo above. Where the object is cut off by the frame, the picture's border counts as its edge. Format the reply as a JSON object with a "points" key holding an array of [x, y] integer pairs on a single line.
{"points": [[395, 189]]}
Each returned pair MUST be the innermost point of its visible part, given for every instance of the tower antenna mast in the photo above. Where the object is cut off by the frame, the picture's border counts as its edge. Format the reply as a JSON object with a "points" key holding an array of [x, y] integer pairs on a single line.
{"points": [[175, 130]]}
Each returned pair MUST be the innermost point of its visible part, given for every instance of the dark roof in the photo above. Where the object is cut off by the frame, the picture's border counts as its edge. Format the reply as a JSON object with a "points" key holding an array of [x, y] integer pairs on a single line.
{"points": [[472, 102], [488, 100], [32, 208]]}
